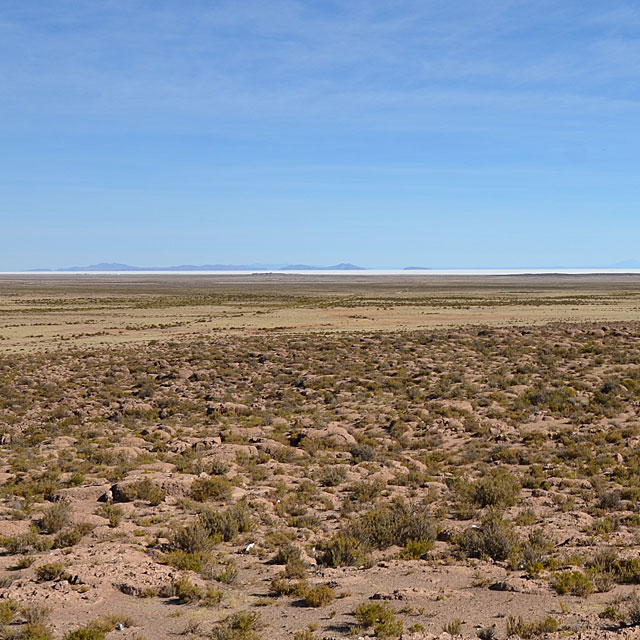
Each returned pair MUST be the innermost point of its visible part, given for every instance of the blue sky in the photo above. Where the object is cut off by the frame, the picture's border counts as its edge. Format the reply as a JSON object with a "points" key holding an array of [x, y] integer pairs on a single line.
{"points": [[388, 133]]}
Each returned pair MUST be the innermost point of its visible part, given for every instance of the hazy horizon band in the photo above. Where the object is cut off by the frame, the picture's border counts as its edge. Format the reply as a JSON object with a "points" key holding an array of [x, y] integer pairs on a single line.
{"points": [[343, 273]]}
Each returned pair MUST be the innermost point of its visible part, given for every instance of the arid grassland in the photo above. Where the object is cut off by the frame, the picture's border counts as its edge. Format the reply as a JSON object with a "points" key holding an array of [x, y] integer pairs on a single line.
{"points": [[49, 312], [245, 458]]}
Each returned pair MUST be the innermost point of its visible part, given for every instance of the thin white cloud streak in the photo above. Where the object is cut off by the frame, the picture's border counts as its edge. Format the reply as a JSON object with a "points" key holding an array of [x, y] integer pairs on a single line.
{"points": [[369, 62], [140, 48]]}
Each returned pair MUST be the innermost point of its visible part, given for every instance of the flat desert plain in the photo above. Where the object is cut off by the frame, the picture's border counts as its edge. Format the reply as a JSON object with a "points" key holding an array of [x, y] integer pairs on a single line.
{"points": [[308, 457]]}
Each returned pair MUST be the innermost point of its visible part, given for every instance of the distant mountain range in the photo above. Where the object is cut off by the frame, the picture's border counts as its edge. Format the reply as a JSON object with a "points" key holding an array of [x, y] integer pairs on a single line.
{"points": [[259, 266], [116, 266]]}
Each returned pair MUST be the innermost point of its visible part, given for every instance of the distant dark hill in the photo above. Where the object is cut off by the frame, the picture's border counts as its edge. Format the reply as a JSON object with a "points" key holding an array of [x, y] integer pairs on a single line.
{"points": [[343, 266], [117, 266], [102, 266], [417, 269]]}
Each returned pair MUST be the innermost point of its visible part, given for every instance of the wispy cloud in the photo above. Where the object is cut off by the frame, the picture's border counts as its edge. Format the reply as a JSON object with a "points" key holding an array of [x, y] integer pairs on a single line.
{"points": [[294, 58]]}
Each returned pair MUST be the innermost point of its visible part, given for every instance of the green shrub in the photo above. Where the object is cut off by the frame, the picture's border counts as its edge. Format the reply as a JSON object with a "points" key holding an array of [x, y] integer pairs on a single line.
{"points": [[192, 538], [215, 488], [185, 591], [381, 617], [51, 571], [230, 522], [188, 593], [283, 587], [197, 561], [319, 596], [499, 488], [363, 453], [400, 524], [333, 476], [228, 575], [518, 627], [627, 570], [573, 582], [86, 633], [112, 512], [239, 626], [35, 614], [68, 538], [632, 613], [146, 491], [56, 517], [495, 538], [416, 549], [21, 543], [8, 610], [285, 553], [382, 527], [342, 551], [535, 551], [35, 631], [453, 627]]}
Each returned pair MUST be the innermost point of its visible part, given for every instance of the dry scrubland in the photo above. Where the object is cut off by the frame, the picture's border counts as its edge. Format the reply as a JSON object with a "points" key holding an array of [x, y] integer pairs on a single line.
{"points": [[50, 312], [261, 464]]}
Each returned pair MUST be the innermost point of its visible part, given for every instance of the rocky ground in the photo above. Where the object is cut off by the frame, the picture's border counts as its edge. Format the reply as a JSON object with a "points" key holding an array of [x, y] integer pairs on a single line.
{"points": [[476, 482]]}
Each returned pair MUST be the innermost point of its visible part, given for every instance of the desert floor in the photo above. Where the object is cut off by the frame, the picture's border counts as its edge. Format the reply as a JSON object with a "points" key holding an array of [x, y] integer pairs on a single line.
{"points": [[307, 457]]}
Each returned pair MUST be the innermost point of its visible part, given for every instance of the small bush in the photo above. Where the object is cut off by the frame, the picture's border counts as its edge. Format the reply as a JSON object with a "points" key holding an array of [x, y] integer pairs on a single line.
{"points": [[185, 591], [416, 549], [51, 571], [396, 524], [56, 517], [363, 453], [381, 617], [319, 596], [86, 633], [21, 543], [283, 587], [627, 570], [240, 626], [453, 627], [112, 512], [197, 561], [8, 610], [98, 629], [218, 467], [534, 552], [400, 524], [188, 593], [68, 538], [146, 491], [495, 539], [333, 476], [35, 613], [286, 553], [342, 551], [632, 613], [518, 627], [229, 523], [193, 538], [35, 631], [216, 488], [573, 582], [499, 488]]}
